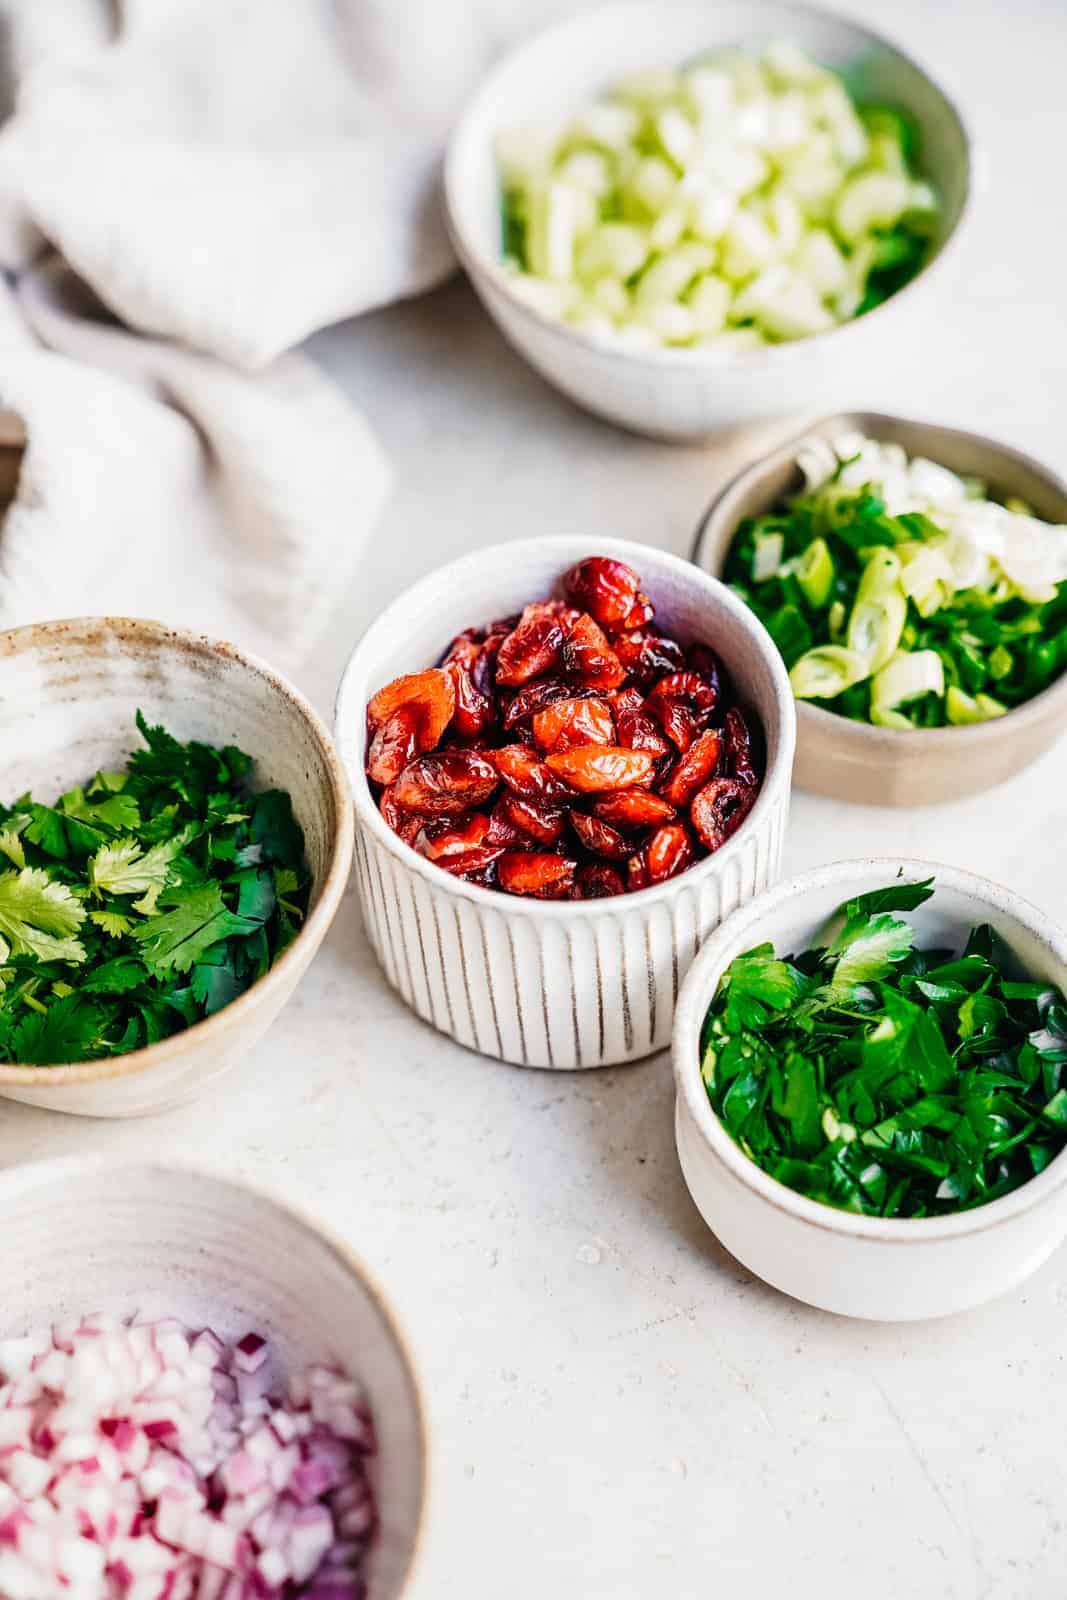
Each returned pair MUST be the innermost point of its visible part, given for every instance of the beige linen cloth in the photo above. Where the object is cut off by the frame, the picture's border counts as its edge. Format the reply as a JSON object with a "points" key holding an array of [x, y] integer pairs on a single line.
{"points": [[187, 189]]}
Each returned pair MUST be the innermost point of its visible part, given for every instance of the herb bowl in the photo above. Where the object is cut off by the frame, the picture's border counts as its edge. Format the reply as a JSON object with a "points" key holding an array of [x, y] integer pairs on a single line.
{"points": [[69, 693], [691, 393], [884, 1269], [856, 761], [91, 1234], [565, 984]]}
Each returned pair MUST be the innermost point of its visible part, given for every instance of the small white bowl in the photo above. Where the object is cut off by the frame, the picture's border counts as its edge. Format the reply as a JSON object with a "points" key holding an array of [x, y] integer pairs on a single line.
{"points": [[680, 393], [93, 1233], [887, 1270], [69, 693], [576, 983]]}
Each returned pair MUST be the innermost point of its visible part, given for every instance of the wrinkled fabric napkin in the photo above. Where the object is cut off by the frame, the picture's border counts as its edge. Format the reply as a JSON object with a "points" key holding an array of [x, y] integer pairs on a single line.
{"points": [[188, 189]]}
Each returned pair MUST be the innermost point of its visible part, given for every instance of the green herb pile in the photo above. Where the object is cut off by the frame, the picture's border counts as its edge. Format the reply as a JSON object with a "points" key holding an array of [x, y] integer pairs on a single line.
{"points": [[887, 1080], [142, 902], [862, 608]]}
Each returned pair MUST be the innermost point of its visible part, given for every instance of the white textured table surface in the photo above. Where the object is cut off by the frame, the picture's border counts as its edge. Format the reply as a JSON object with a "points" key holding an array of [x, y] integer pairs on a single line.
{"points": [[619, 1410]]}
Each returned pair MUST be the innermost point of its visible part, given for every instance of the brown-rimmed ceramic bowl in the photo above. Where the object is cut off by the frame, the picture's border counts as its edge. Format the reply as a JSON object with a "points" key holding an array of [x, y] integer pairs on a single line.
{"points": [[69, 693], [94, 1233], [887, 766]]}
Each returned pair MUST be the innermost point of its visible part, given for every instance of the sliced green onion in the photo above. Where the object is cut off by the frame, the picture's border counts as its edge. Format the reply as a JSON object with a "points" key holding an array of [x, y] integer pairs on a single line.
{"points": [[826, 671], [814, 572]]}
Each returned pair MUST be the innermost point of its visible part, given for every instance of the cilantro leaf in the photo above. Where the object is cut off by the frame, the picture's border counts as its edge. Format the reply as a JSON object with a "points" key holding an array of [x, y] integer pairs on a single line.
{"points": [[69, 1029], [178, 937], [38, 917]]}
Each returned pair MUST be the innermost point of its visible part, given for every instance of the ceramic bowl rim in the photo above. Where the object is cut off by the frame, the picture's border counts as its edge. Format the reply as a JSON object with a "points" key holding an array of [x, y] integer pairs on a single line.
{"points": [[696, 993], [69, 1169], [572, 547], [480, 266], [865, 737], [146, 632]]}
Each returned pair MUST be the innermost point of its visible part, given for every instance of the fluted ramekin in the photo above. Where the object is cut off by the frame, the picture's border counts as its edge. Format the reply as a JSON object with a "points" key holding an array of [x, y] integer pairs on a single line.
{"points": [[885, 1269], [556, 984]]}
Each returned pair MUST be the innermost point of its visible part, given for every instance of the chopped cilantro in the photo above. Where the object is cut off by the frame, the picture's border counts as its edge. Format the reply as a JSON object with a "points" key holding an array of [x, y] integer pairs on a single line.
{"points": [[142, 901], [885, 1079]]}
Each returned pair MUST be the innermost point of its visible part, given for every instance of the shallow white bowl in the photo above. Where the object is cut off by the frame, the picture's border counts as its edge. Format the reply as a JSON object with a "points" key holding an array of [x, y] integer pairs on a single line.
{"points": [[96, 1234], [683, 393], [891, 1270], [69, 692], [578, 983]]}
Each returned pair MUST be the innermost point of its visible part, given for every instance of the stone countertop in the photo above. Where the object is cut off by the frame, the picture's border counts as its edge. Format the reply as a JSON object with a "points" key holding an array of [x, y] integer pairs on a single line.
{"points": [[619, 1409]]}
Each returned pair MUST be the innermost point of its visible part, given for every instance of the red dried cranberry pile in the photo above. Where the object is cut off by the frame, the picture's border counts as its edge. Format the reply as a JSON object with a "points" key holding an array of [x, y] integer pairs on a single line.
{"points": [[569, 753]]}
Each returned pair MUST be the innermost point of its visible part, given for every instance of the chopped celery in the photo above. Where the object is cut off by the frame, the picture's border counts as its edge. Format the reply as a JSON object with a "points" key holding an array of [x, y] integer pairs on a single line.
{"points": [[810, 206]]}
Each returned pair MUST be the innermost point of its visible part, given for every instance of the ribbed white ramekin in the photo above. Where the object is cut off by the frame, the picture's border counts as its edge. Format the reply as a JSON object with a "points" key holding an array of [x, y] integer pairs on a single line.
{"points": [[576, 983]]}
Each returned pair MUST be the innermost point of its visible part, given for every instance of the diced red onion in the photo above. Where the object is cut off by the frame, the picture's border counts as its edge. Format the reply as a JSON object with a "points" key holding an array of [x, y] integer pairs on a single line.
{"points": [[143, 1461]]}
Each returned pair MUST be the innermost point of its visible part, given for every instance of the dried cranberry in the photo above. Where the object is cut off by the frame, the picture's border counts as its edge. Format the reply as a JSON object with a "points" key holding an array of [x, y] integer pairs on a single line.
{"points": [[567, 723], [523, 771], [739, 747], [395, 743], [535, 697], [536, 818], [531, 872], [609, 590], [588, 656], [532, 647], [451, 836], [634, 808], [591, 767], [719, 809], [692, 769], [446, 782], [599, 837], [668, 852], [405, 824], [597, 881], [648, 656]]}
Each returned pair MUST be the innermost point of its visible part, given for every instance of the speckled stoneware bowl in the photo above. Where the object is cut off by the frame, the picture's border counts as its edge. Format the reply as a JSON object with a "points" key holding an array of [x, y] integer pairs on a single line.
{"points": [[574, 983], [99, 1234], [682, 393], [888, 766], [69, 692], [885, 1269]]}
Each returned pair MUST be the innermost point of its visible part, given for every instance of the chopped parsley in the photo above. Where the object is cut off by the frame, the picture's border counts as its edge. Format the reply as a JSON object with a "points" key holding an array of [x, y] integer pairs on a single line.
{"points": [[884, 1079], [143, 902]]}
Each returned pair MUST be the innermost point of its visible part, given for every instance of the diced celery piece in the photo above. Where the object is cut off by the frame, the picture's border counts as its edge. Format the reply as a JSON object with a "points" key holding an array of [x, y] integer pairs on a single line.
{"points": [[795, 311], [752, 300], [815, 190], [670, 276], [788, 66], [767, 551], [710, 93], [709, 302], [668, 228], [558, 213], [747, 247], [676, 136], [586, 169], [786, 220], [606, 124], [590, 319], [820, 261], [711, 206], [826, 671], [669, 320], [907, 676], [872, 200], [649, 189], [610, 297], [739, 167], [613, 250], [814, 572]]}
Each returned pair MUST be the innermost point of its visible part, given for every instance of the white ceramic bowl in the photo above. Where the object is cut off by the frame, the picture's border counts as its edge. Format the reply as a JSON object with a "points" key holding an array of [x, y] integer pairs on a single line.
{"points": [[69, 692], [679, 393], [95, 1234], [884, 1269], [579, 983]]}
